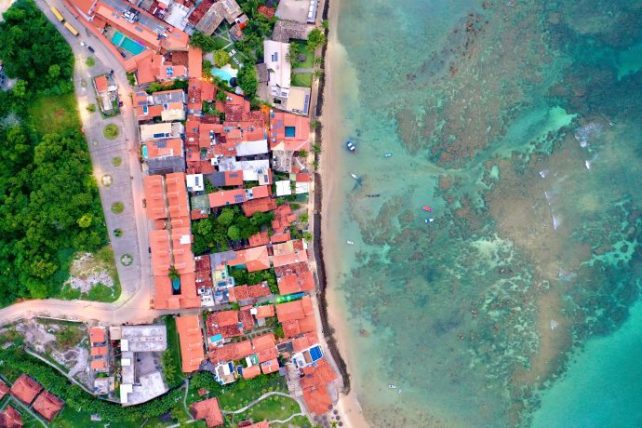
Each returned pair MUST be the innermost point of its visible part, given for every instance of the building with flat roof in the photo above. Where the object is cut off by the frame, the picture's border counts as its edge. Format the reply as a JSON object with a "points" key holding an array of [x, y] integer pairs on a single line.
{"points": [[275, 56], [143, 338]]}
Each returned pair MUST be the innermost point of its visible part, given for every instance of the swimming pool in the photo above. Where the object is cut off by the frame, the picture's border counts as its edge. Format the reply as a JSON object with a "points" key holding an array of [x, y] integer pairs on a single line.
{"points": [[131, 46], [224, 73], [316, 353], [290, 131]]}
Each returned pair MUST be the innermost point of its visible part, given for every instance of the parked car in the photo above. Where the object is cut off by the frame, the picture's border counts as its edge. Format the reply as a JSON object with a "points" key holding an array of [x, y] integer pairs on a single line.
{"points": [[91, 49]]}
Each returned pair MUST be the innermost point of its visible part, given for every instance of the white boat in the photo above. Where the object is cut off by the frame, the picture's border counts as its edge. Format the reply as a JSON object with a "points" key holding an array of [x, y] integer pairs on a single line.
{"points": [[355, 176], [350, 242], [391, 386], [387, 155]]}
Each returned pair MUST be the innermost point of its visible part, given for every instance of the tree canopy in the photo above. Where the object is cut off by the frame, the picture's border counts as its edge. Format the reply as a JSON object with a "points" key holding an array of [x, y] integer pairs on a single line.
{"points": [[49, 204], [248, 81]]}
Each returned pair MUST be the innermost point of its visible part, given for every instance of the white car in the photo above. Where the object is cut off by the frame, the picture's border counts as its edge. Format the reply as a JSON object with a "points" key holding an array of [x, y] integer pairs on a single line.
{"points": [[233, 52], [82, 44]]}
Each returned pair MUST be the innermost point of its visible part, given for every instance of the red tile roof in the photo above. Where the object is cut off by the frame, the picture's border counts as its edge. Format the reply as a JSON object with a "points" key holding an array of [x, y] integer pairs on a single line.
{"points": [[246, 292], [258, 239], [191, 340], [98, 365], [289, 252], [295, 310], [101, 83], [266, 11], [83, 5], [4, 389], [263, 205], [265, 347], [208, 410], [195, 62], [154, 197], [251, 372], [270, 366], [233, 178], [231, 351], [227, 197], [10, 418], [25, 389], [48, 405], [314, 384], [225, 318], [278, 140], [254, 259], [305, 341], [98, 351], [97, 335], [265, 311], [294, 278]]}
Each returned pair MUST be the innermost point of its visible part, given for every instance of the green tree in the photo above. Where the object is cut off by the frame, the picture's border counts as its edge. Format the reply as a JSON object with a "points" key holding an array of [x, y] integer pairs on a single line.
{"points": [[233, 233], [221, 58], [85, 221], [20, 88], [247, 80], [226, 217], [316, 38], [203, 41]]}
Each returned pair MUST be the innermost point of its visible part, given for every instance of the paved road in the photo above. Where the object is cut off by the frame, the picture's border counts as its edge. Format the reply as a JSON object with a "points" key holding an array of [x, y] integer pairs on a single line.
{"points": [[126, 186]]}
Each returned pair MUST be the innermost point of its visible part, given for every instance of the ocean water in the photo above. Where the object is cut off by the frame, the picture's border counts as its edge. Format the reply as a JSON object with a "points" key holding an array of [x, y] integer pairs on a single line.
{"points": [[519, 123]]}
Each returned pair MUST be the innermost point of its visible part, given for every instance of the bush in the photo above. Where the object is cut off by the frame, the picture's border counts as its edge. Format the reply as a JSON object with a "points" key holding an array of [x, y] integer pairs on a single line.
{"points": [[111, 131], [117, 207], [116, 161], [248, 81], [90, 62], [221, 58], [316, 38], [91, 108]]}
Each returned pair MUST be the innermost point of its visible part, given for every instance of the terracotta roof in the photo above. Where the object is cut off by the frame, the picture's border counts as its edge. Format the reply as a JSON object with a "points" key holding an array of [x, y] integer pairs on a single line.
{"points": [[289, 252], [245, 292], [48, 405], [97, 335], [226, 197], [251, 372], [209, 411], [266, 11], [195, 62], [154, 197], [83, 5], [233, 178], [4, 389], [304, 342], [98, 351], [294, 278], [98, 364], [164, 148], [225, 318], [25, 389], [265, 347], [314, 384], [295, 310], [263, 205], [300, 125], [258, 239], [10, 418], [254, 259], [101, 83], [270, 366], [191, 339], [264, 311], [231, 351], [246, 318]]}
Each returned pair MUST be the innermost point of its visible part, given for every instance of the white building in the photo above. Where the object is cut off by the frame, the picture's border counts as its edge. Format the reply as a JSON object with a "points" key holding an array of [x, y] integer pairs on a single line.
{"points": [[276, 58]]}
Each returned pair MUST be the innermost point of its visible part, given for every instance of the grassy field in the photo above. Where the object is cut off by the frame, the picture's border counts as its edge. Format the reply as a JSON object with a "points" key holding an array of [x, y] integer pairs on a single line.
{"points": [[303, 79], [272, 408], [54, 113]]}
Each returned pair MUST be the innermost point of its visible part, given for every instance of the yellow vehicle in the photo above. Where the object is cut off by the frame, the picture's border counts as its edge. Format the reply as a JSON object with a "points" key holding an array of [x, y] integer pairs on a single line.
{"points": [[57, 13], [71, 29]]}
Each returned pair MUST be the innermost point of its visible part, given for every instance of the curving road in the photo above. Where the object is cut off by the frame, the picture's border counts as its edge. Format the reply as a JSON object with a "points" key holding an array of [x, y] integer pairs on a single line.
{"points": [[134, 304]]}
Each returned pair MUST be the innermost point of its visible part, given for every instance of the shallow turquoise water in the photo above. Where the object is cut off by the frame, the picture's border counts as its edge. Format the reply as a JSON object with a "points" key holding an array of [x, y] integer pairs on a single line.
{"points": [[519, 123]]}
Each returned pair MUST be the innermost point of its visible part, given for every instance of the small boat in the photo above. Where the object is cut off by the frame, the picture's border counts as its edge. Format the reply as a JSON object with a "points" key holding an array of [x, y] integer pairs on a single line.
{"points": [[350, 242], [355, 176], [373, 195], [426, 208], [351, 146], [429, 220], [387, 155], [391, 386]]}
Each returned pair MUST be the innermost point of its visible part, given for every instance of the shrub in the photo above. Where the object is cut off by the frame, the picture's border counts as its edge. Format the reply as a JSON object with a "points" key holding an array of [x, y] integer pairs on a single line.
{"points": [[111, 131], [90, 61], [117, 207], [91, 108]]}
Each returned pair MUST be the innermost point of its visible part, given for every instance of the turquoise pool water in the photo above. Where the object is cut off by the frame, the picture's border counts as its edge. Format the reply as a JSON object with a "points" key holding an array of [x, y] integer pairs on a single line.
{"points": [[131, 46], [222, 74]]}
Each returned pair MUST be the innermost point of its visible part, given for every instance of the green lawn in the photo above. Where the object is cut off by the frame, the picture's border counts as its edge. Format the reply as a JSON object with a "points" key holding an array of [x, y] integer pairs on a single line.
{"points": [[172, 357], [234, 396], [309, 55], [54, 113], [303, 79], [275, 407]]}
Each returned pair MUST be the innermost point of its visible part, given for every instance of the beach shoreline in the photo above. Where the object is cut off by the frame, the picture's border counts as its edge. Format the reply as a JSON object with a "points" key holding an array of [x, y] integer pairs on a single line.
{"points": [[327, 195]]}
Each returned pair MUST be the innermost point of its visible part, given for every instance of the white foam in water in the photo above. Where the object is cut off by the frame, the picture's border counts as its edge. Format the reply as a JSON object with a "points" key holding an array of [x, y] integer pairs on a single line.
{"points": [[556, 223]]}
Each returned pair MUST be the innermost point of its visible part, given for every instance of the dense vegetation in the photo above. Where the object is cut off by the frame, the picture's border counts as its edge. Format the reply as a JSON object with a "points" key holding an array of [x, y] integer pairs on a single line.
{"points": [[243, 277], [49, 205], [14, 361], [217, 232]]}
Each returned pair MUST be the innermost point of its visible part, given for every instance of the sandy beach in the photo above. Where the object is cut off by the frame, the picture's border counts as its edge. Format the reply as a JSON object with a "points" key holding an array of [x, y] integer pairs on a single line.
{"points": [[333, 133]]}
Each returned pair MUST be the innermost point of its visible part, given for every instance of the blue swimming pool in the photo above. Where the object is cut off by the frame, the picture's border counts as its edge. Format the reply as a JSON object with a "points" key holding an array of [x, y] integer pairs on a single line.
{"points": [[316, 353], [131, 46], [222, 74], [176, 284]]}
